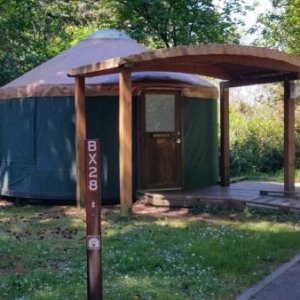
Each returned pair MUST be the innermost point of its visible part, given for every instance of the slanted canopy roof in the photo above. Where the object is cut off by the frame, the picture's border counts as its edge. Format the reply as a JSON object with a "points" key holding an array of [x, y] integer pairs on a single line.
{"points": [[227, 62], [50, 78]]}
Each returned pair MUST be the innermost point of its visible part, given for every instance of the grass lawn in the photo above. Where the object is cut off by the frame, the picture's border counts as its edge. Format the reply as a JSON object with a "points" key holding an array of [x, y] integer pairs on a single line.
{"points": [[211, 255]]}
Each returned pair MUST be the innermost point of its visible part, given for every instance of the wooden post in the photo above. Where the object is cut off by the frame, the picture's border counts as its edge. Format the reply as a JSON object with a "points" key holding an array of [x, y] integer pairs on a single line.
{"points": [[93, 219], [289, 139], [80, 136], [224, 123], [125, 140]]}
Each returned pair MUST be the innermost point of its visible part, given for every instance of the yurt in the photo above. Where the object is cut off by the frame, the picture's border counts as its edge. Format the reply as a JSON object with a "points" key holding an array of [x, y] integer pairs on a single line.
{"points": [[174, 124]]}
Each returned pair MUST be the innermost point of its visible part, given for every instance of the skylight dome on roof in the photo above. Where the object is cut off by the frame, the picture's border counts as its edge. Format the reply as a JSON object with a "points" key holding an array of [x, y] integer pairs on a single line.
{"points": [[108, 34]]}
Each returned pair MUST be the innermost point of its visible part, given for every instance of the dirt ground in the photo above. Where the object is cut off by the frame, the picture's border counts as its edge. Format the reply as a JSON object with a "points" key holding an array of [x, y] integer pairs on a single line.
{"points": [[139, 208]]}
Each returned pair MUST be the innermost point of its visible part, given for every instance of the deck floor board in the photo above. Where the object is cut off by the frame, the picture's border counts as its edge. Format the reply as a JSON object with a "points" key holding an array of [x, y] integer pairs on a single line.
{"points": [[246, 191]]}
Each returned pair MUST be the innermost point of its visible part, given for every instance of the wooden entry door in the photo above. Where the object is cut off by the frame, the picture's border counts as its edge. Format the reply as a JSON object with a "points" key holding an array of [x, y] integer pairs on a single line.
{"points": [[160, 136]]}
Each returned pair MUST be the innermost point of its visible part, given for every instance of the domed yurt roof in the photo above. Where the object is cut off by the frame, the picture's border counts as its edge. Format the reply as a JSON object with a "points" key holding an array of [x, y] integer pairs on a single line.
{"points": [[50, 78]]}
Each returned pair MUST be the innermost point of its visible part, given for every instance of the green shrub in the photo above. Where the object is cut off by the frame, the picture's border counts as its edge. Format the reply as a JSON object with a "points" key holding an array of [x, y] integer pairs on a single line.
{"points": [[256, 140]]}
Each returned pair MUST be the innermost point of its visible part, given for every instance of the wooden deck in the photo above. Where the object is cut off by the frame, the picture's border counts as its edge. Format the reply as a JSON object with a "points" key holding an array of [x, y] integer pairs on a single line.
{"points": [[238, 195]]}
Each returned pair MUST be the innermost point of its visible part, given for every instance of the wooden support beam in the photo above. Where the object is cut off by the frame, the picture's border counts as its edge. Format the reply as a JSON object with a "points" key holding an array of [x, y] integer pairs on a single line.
{"points": [[289, 139], [125, 140], [224, 123], [260, 80], [80, 136]]}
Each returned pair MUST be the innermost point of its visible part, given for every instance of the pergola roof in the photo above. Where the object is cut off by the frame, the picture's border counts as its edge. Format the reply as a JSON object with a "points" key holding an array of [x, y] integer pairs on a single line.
{"points": [[238, 65], [227, 62]]}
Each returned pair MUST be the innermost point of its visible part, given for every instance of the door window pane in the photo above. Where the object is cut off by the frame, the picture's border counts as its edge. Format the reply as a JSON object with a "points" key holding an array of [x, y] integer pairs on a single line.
{"points": [[160, 113]]}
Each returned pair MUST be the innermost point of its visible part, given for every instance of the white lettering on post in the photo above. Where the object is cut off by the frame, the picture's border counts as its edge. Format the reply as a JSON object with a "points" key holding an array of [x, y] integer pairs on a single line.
{"points": [[92, 166], [92, 158], [92, 146], [93, 172]]}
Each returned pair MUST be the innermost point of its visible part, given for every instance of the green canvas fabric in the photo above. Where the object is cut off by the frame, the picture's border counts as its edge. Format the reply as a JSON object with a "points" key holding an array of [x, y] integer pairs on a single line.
{"points": [[37, 148], [37, 145], [200, 143]]}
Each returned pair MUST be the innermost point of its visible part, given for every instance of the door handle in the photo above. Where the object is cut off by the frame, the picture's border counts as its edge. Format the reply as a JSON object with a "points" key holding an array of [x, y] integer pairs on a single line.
{"points": [[178, 141]]}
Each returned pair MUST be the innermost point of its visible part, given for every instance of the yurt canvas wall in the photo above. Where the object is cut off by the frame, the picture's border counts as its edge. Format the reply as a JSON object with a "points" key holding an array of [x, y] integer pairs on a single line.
{"points": [[37, 133]]}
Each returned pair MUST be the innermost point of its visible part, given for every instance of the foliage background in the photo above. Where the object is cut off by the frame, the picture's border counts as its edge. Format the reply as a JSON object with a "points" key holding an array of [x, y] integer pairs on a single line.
{"points": [[256, 135]]}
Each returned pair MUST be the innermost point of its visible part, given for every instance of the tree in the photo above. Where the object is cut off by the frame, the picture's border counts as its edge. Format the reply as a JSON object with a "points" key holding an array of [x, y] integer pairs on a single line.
{"points": [[280, 28], [36, 30], [168, 23]]}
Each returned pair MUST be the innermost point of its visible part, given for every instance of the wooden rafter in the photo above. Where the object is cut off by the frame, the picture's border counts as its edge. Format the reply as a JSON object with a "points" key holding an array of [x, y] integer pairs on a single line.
{"points": [[261, 80]]}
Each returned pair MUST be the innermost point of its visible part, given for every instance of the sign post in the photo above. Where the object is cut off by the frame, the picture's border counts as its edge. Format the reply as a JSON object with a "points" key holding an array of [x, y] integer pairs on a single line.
{"points": [[93, 220]]}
